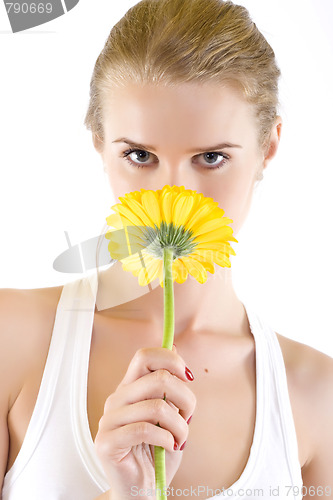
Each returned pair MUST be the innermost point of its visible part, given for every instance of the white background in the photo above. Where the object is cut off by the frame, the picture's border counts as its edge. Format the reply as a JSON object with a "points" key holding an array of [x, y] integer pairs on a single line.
{"points": [[52, 179]]}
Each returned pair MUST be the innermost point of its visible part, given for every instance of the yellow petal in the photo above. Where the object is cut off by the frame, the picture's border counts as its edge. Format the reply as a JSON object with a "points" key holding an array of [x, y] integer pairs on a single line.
{"points": [[195, 268], [209, 266], [151, 205], [121, 252], [216, 245], [221, 259], [115, 220], [201, 213], [210, 225], [207, 255], [180, 270], [161, 192], [198, 197], [133, 195], [135, 271], [159, 269], [182, 208], [132, 262], [124, 242], [149, 273], [129, 214], [221, 234], [138, 209], [166, 206]]}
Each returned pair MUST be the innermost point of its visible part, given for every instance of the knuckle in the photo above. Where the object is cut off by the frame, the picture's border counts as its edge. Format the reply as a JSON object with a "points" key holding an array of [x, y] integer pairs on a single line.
{"points": [[189, 399], [141, 354], [100, 426], [108, 402], [103, 446], [104, 425], [162, 377], [142, 430], [158, 407]]}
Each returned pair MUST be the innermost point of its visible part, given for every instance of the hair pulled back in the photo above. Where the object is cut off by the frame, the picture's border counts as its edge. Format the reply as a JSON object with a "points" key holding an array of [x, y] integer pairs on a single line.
{"points": [[171, 42]]}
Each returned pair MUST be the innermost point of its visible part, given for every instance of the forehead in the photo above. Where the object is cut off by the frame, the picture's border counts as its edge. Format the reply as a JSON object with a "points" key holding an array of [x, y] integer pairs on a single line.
{"points": [[167, 115]]}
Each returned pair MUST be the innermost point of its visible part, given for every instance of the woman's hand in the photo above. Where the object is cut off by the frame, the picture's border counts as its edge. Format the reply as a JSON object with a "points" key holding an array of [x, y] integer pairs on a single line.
{"points": [[127, 430]]}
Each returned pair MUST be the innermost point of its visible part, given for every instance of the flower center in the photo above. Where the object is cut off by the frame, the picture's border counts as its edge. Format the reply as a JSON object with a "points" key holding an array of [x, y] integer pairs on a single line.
{"points": [[168, 235]]}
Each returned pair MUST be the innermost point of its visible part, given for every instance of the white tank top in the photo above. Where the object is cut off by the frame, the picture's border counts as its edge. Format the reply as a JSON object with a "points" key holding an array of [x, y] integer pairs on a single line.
{"points": [[57, 460]]}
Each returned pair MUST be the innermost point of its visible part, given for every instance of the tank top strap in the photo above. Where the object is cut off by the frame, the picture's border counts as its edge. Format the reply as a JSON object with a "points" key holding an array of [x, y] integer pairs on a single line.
{"points": [[287, 419], [79, 380], [58, 351], [50, 379], [278, 386]]}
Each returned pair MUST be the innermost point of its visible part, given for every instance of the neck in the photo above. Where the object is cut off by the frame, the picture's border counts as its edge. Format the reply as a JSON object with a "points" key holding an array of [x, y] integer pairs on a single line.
{"points": [[199, 308]]}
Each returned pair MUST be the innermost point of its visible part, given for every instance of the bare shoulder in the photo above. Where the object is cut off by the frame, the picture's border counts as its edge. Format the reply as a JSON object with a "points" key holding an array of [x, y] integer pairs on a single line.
{"points": [[26, 319], [310, 382], [304, 363], [26, 324]]}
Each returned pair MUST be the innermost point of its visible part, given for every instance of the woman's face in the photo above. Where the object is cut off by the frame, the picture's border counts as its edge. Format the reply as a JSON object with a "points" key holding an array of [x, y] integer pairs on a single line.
{"points": [[203, 137]]}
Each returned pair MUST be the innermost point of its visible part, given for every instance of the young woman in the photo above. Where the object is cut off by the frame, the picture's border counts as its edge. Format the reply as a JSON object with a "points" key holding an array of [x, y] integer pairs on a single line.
{"points": [[185, 92]]}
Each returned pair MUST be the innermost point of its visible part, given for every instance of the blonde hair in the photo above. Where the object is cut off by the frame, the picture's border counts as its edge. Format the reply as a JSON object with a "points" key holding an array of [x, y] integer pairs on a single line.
{"points": [[178, 41]]}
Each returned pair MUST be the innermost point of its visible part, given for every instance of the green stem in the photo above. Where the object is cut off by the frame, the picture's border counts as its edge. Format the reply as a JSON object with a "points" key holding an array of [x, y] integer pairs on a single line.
{"points": [[168, 333], [169, 313]]}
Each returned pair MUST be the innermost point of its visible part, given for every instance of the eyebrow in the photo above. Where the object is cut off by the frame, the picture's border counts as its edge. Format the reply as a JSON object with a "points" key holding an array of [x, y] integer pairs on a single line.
{"points": [[223, 145]]}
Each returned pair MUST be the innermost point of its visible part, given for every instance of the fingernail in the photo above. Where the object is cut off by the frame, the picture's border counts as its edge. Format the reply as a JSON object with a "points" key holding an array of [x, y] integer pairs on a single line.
{"points": [[182, 446], [189, 420], [175, 446], [189, 374]]}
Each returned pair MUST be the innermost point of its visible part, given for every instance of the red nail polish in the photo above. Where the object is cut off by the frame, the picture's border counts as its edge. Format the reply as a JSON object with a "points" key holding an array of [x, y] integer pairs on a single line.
{"points": [[175, 446], [189, 374], [182, 446], [189, 420]]}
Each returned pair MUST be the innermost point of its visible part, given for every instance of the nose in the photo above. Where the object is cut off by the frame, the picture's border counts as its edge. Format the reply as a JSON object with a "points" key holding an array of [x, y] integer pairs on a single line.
{"points": [[177, 174]]}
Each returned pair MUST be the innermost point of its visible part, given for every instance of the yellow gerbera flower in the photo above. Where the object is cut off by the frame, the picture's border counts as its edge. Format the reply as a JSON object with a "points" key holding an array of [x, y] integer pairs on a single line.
{"points": [[191, 225]]}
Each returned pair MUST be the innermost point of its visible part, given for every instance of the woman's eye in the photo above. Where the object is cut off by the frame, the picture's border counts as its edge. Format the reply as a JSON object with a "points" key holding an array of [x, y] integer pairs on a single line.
{"points": [[216, 160], [139, 158]]}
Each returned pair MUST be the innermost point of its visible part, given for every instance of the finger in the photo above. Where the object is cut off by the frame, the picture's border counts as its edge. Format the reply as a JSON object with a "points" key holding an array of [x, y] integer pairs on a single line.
{"points": [[149, 359], [154, 411], [154, 386], [116, 444]]}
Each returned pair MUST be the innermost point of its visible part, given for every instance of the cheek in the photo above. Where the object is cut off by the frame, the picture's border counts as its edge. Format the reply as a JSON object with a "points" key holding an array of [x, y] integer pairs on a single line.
{"points": [[117, 180], [120, 187], [122, 180], [117, 174], [234, 194]]}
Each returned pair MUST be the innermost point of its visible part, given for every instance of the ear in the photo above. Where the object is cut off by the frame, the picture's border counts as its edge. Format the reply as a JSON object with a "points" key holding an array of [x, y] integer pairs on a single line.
{"points": [[274, 141]]}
